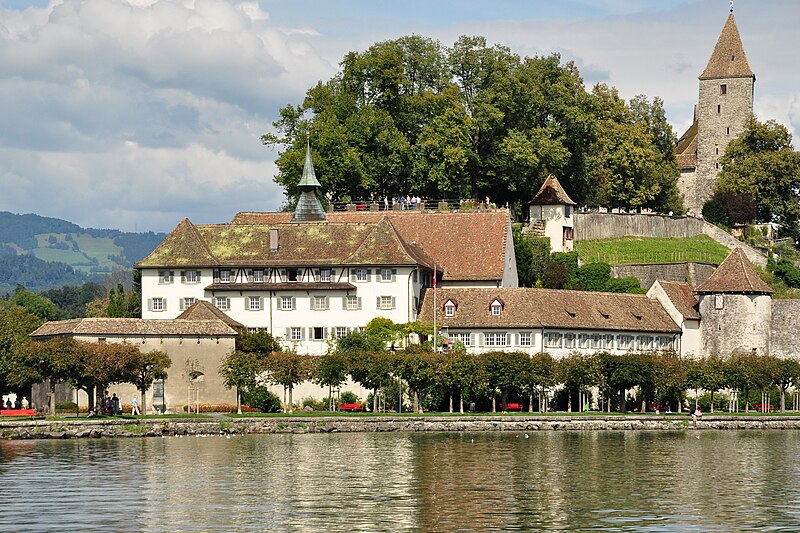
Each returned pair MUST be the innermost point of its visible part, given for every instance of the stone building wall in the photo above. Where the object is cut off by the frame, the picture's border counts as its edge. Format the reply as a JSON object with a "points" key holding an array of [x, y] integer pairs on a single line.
{"points": [[785, 319], [742, 325], [647, 274]]}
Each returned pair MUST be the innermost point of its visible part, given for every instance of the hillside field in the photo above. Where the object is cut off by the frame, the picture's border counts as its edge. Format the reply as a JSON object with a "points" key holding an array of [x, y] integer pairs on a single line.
{"points": [[625, 250]]}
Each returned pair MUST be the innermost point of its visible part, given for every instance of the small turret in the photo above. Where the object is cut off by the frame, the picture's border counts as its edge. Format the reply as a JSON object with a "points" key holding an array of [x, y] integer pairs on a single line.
{"points": [[552, 208], [309, 208]]}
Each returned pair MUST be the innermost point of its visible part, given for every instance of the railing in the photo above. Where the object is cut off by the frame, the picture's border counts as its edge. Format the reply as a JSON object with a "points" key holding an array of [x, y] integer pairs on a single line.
{"points": [[425, 204]]}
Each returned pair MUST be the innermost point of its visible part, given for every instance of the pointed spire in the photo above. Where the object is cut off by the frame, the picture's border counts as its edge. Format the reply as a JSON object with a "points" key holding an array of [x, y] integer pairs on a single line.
{"points": [[735, 275], [309, 208], [728, 59], [309, 178]]}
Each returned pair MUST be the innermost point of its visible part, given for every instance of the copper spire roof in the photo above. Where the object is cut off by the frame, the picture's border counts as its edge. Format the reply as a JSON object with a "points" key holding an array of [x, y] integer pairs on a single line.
{"points": [[308, 208], [552, 193], [735, 275], [728, 59]]}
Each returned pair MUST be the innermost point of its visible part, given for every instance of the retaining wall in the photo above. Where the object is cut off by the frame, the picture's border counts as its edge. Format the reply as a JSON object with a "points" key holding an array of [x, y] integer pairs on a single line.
{"points": [[70, 429]]}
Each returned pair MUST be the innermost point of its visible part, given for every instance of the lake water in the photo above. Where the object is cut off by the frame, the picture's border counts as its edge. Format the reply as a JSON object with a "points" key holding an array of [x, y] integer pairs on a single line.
{"points": [[547, 481]]}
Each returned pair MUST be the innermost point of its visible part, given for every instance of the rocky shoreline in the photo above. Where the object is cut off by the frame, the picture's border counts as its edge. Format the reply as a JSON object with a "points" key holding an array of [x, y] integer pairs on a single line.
{"points": [[116, 428]]}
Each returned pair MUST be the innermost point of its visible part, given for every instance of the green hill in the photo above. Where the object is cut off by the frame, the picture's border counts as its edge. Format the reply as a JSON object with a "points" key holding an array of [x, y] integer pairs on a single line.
{"points": [[624, 250], [43, 252]]}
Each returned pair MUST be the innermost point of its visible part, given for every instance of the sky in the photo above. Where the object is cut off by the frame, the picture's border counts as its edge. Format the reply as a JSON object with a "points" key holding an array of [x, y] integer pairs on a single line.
{"points": [[134, 114]]}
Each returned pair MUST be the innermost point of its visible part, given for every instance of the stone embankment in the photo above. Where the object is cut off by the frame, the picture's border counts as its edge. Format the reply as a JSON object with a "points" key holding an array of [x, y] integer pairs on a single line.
{"points": [[76, 429]]}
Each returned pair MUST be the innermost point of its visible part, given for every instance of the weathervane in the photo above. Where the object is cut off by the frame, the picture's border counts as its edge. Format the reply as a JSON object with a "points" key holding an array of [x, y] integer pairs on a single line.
{"points": [[731, 6]]}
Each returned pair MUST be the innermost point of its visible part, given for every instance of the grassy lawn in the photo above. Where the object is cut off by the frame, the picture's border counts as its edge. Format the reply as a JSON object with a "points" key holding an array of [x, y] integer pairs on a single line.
{"points": [[700, 248]]}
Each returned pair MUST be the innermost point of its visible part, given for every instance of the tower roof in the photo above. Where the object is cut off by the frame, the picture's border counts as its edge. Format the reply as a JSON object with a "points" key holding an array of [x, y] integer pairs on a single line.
{"points": [[728, 59], [735, 275], [309, 208], [552, 193]]}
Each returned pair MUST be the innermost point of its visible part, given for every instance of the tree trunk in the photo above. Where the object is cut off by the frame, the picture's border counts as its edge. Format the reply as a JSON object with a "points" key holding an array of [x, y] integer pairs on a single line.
{"points": [[623, 408], [451, 402], [494, 403], [504, 400], [783, 400], [144, 405], [291, 403], [712, 402], [461, 401], [530, 401], [375, 400], [238, 401], [51, 400], [569, 401]]}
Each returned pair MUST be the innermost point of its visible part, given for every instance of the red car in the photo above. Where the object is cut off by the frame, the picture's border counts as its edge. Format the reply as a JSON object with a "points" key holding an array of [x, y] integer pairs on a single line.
{"points": [[760, 407]]}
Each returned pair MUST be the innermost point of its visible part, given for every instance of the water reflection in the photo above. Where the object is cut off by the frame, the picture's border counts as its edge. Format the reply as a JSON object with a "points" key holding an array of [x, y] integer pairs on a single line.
{"points": [[548, 481]]}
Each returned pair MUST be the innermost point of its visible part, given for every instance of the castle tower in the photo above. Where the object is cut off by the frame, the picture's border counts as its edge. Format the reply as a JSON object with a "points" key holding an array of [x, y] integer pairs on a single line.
{"points": [[725, 103], [309, 208], [735, 307]]}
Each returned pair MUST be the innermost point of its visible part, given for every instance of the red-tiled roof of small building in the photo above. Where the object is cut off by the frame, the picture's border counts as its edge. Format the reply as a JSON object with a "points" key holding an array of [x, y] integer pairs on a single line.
{"points": [[203, 310], [682, 297], [551, 193], [464, 244], [549, 308], [134, 327], [728, 59], [735, 275]]}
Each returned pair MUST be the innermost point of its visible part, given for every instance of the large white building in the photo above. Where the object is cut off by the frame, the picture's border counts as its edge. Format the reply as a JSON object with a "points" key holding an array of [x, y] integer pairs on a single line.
{"points": [[309, 277]]}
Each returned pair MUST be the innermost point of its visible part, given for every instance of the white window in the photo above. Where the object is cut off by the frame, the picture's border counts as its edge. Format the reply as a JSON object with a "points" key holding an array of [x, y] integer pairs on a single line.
{"points": [[645, 342], [719, 301], [569, 340], [320, 303], [525, 338], [497, 308], [186, 303], [295, 334], [359, 274], [325, 275], [191, 276], [223, 303], [387, 274], [353, 303], [224, 276], [494, 339], [340, 332], [449, 309], [552, 340], [607, 342], [625, 342], [595, 341], [158, 304], [664, 343], [165, 276], [288, 303], [385, 302], [464, 338], [258, 276], [255, 303]]}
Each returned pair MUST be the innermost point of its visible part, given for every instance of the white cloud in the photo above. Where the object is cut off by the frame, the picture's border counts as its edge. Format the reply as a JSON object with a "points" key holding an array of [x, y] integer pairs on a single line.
{"points": [[134, 114]]}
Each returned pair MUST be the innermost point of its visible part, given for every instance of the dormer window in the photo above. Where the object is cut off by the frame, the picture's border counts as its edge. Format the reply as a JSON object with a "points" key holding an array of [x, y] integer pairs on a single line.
{"points": [[449, 308], [496, 308]]}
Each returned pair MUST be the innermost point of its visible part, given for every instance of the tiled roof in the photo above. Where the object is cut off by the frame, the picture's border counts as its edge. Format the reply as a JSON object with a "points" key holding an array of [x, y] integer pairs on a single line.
{"points": [[468, 245], [203, 310], [735, 275], [728, 59], [308, 243], [682, 297], [548, 308], [133, 327], [551, 193], [686, 149]]}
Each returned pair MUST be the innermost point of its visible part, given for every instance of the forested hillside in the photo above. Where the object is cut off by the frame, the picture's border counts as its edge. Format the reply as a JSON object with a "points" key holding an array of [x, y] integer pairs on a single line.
{"points": [[473, 120], [44, 253]]}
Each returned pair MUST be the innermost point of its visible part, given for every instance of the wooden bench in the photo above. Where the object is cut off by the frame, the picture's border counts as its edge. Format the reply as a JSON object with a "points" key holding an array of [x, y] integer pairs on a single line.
{"points": [[18, 412], [351, 407], [513, 407]]}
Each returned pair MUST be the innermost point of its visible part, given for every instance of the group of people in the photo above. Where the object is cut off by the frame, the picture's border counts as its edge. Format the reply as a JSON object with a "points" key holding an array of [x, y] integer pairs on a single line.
{"points": [[17, 404], [407, 203], [110, 405]]}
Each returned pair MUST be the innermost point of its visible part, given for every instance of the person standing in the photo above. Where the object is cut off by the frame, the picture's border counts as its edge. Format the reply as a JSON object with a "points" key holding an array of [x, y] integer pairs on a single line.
{"points": [[135, 407]]}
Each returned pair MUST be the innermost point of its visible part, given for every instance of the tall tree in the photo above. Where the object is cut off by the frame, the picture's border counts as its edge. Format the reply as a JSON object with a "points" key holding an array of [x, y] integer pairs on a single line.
{"points": [[146, 368]]}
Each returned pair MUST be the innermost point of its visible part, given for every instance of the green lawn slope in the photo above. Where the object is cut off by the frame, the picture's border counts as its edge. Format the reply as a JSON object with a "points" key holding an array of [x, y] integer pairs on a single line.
{"points": [[626, 250]]}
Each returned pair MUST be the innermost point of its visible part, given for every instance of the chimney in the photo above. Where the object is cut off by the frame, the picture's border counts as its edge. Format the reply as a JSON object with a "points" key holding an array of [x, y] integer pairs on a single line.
{"points": [[273, 240]]}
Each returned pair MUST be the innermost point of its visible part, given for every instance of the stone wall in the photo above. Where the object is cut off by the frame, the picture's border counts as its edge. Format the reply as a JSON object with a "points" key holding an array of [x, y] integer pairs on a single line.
{"points": [[742, 324], [692, 273], [783, 336], [71, 429]]}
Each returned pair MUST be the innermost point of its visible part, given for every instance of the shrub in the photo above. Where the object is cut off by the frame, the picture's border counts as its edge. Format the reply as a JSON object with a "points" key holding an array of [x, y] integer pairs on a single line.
{"points": [[715, 212], [349, 397], [263, 399]]}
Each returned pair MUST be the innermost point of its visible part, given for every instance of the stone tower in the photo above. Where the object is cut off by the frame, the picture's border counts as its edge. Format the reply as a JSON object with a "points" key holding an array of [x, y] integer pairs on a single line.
{"points": [[735, 307], [725, 103]]}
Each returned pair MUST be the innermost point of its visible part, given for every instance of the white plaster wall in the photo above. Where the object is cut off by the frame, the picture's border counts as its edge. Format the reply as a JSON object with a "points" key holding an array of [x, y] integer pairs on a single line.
{"points": [[153, 287]]}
